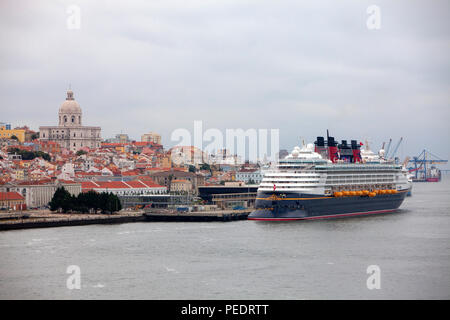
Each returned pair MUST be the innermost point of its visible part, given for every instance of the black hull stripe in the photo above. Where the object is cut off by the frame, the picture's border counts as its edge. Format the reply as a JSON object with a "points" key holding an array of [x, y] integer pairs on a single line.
{"points": [[325, 216]]}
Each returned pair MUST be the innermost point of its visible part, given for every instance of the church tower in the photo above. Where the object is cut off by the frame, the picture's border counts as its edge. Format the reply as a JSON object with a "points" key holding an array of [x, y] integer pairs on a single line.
{"points": [[70, 134], [70, 112]]}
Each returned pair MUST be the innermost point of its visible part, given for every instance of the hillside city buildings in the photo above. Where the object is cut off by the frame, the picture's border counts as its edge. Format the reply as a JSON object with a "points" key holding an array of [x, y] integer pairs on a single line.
{"points": [[70, 155]]}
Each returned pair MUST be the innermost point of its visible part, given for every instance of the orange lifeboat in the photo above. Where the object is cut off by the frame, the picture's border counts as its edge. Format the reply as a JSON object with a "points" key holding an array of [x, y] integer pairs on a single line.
{"points": [[359, 193], [353, 193], [345, 193], [366, 192], [372, 194], [382, 191], [338, 194]]}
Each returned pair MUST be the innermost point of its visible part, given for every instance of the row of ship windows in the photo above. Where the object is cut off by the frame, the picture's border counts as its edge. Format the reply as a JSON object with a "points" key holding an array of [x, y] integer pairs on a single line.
{"points": [[356, 181], [363, 178], [290, 182], [283, 187], [359, 175], [292, 177], [360, 181]]}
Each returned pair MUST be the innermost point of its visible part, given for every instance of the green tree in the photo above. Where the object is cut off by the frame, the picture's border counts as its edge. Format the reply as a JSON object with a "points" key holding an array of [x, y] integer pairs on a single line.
{"points": [[80, 152], [30, 155], [91, 200], [61, 200], [84, 202], [192, 169], [103, 202]]}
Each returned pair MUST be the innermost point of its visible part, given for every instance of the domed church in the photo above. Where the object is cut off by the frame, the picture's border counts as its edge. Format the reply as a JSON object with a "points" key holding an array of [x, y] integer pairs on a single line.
{"points": [[70, 133]]}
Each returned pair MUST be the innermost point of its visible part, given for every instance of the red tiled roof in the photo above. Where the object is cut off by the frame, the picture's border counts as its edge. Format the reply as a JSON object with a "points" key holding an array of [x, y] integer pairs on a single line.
{"points": [[130, 173], [88, 185], [139, 143], [11, 196], [66, 181], [106, 144]]}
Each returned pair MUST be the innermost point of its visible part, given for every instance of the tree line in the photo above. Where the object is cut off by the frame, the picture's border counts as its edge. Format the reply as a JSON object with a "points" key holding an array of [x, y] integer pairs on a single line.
{"points": [[85, 202], [30, 155]]}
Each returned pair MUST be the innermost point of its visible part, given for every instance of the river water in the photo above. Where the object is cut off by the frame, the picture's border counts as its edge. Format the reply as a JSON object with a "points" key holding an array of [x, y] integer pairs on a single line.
{"points": [[321, 259]]}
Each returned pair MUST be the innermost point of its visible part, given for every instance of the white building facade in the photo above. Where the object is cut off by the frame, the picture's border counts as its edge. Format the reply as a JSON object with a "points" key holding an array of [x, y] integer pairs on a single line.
{"points": [[70, 133]]}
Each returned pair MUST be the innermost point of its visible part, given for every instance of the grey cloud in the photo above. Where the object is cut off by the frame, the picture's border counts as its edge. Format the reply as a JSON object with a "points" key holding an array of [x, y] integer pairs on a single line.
{"points": [[300, 66]]}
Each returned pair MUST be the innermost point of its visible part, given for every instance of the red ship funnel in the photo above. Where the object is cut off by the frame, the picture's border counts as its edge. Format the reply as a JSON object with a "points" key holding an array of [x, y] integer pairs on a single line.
{"points": [[356, 151], [332, 149], [320, 147]]}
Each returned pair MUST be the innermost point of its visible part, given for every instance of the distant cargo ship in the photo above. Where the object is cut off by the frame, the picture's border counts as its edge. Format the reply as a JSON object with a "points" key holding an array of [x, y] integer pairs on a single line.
{"points": [[329, 180], [433, 175]]}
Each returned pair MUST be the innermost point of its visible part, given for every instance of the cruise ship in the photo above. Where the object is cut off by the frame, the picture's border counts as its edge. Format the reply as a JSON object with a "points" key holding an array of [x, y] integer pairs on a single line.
{"points": [[328, 179]]}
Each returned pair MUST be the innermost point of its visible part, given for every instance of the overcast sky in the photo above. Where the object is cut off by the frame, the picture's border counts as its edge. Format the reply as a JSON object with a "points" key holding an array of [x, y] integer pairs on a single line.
{"points": [[299, 66]]}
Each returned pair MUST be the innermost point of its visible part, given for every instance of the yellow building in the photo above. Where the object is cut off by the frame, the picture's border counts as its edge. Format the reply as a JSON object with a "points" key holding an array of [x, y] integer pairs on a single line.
{"points": [[165, 161], [19, 174], [151, 137], [8, 133]]}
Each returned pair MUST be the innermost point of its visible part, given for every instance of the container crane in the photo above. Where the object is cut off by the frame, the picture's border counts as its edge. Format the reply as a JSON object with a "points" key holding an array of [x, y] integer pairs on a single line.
{"points": [[422, 173]]}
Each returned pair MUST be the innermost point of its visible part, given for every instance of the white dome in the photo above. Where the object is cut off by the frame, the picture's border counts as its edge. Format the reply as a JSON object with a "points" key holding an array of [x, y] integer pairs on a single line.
{"points": [[70, 106]]}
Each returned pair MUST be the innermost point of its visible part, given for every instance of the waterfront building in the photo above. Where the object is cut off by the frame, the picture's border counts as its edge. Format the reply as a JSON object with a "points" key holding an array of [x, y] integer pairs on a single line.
{"points": [[124, 188], [39, 193], [70, 133], [253, 176], [181, 185], [166, 177], [12, 200]]}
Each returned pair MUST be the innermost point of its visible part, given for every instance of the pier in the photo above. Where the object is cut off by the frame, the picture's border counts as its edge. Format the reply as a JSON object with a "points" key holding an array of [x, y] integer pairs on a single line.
{"points": [[15, 221], [200, 216], [46, 219]]}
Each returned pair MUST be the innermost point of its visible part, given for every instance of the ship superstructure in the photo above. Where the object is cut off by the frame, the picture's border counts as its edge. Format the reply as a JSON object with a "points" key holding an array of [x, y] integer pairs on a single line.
{"points": [[328, 179]]}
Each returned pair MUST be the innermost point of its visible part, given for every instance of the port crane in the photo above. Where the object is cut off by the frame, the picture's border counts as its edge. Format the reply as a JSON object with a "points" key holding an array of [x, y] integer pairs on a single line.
{"points": [[420, 163], [395, 149]]}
